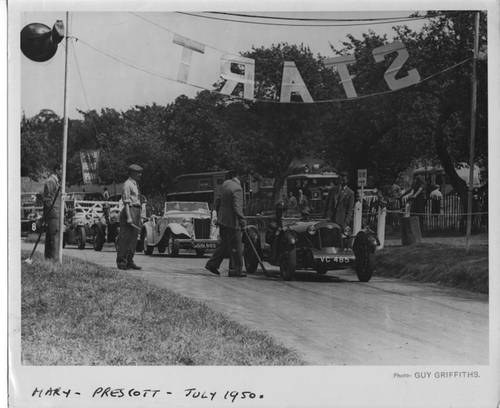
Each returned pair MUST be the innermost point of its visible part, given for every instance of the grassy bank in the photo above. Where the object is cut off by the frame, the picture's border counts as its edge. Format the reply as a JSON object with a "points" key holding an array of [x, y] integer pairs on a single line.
{"points": [[84, 314], [438, 263]]}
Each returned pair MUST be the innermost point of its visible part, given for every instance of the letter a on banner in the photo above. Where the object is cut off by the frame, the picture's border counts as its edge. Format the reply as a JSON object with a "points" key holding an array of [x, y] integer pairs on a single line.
{"points": [[413, 76], [233, 79], [292, 82]]}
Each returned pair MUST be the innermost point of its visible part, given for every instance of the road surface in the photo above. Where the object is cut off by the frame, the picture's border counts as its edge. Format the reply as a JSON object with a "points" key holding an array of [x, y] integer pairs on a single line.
{"points": [[332, 319]]}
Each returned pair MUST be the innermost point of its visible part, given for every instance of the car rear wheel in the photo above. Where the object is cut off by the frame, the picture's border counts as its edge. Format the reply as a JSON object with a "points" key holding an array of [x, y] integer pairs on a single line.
{"points": [[81, 237], [288, 264], [364, 264]]}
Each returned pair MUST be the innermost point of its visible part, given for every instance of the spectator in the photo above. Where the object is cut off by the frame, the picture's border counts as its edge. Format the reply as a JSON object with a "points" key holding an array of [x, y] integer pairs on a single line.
{"points": [[302, 202], [436, 199], [291, 201]]}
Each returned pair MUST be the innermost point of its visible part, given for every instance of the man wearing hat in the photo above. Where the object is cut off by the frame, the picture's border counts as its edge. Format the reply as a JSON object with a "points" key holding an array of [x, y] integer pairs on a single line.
{"points": [[231, 221], [130, 220], [340, 203]]}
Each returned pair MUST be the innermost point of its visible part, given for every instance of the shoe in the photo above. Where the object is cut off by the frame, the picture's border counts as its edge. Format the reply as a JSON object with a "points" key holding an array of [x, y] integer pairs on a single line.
{"points": [[238, 275], [134, 266], [212, 269], [123, 267]]}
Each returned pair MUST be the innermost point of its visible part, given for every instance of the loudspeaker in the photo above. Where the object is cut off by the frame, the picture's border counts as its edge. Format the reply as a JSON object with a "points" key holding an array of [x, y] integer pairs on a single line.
{"points": [[39, 42]]}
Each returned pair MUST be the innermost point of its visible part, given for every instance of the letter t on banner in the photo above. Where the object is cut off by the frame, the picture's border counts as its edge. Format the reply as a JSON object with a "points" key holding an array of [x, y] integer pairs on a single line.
{"points": [[233, 79], [413, 76], [341, 63], [188, 46], [293, 82]]}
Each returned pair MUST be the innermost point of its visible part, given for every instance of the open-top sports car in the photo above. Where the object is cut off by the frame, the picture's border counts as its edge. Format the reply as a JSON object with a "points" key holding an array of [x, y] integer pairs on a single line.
{"points": [[184, 225], [310, 244]]}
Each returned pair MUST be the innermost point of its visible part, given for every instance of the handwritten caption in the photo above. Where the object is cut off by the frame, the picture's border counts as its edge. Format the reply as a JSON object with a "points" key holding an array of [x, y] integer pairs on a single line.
{"points": [[146, 393]]}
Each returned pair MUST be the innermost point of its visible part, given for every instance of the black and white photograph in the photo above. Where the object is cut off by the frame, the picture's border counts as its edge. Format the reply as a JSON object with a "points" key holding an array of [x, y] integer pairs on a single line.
{"points": [[227, 205]]}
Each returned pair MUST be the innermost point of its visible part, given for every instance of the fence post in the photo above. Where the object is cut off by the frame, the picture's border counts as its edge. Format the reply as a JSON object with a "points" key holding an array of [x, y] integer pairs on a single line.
{"points": [[358, 215], [382, 212]]}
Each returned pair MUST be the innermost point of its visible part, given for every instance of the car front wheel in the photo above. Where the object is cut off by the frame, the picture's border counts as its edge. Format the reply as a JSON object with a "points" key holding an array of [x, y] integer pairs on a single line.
{"points": [[288, 264], [364, 264]]}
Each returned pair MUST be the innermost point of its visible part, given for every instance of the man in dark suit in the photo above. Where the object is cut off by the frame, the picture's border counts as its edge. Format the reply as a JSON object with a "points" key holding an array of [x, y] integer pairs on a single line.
{"points": [[231, 221], [340, 203]]}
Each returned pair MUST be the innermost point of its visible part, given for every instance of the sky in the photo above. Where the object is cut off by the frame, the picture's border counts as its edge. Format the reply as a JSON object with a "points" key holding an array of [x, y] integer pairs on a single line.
{"points": [[97, 81]]}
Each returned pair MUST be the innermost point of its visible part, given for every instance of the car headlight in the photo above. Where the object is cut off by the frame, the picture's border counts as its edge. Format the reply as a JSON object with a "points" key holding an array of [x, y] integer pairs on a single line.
{"points": [[311, 229]]}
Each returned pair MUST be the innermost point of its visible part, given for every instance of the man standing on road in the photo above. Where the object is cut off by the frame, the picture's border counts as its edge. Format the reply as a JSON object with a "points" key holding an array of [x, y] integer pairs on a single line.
{"points": [[130, 220], [51, 197], [231, 221], [340, 203]]}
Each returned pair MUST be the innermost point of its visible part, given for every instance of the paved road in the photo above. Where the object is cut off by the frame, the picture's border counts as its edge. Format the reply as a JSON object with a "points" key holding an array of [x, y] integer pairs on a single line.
{"points": [[333, 319]]}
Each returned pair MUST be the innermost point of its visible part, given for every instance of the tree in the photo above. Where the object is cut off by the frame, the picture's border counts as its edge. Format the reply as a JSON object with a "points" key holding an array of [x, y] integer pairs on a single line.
{"points": [[282, 132]]}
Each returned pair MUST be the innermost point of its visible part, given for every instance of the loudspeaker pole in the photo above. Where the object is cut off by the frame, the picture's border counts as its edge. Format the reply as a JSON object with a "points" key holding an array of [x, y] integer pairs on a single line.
{"points": [[65, 141]]}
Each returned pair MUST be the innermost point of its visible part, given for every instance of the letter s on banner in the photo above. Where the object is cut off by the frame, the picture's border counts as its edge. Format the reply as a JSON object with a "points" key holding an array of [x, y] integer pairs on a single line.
{"points": [[233, 79], [292, 82], [413, 76]]}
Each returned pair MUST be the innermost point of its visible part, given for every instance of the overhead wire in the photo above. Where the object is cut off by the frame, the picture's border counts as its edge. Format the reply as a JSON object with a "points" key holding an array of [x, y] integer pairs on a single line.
{"points": [[322, 19], [134, 66], [295, 25]]}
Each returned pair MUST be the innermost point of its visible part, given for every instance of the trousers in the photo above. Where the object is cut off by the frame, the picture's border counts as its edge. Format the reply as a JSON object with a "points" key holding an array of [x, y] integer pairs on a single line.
{"points": [[52, 238], [230, 246], [127, 237]]}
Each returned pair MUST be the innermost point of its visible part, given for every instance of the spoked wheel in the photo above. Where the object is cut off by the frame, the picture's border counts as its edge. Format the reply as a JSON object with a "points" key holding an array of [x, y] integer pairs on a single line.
{"points": [[288, 264], [364, 264]]}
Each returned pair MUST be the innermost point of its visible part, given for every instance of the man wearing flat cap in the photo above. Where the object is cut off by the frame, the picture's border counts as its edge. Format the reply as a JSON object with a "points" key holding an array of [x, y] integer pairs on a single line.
{"points": [[130, 219], [340, 203]]}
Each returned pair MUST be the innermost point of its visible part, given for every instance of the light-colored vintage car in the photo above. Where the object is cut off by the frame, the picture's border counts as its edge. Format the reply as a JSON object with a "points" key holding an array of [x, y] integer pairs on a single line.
{"points": [[184, 225]]}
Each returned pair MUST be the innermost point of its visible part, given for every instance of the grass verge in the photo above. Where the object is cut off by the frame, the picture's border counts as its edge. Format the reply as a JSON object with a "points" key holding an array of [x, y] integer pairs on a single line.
{"points": [[438, 263], [84, 314]]}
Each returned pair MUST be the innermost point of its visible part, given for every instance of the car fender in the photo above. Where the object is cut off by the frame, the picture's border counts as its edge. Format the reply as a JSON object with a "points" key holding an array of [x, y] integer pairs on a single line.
{"points": [[177, 229]]}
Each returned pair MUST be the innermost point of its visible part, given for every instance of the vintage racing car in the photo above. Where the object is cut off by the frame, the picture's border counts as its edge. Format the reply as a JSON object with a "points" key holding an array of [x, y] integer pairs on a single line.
{"points": [[95, 222], [184, 225], [321, 245], [31, 213]]}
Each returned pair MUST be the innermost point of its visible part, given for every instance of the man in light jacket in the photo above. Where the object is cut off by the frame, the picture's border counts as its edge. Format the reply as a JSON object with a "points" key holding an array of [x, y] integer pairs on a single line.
{"points": [[231, 221]]}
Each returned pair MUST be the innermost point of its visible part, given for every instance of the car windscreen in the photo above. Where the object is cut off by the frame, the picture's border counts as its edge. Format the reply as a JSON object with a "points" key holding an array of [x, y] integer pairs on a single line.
{"points": [[186, 206]]}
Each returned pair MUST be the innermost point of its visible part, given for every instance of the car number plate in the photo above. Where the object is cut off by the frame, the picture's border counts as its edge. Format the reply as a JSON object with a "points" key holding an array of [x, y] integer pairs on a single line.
{"points": [[204, 245]]}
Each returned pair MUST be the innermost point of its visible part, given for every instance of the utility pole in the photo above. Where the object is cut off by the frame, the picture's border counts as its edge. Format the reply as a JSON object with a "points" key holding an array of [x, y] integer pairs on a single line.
{"points": [[65, 142], [472, 134]]}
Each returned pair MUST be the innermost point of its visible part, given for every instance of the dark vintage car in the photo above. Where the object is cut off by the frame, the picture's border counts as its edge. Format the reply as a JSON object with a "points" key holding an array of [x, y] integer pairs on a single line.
{"points": [[320, 245]]}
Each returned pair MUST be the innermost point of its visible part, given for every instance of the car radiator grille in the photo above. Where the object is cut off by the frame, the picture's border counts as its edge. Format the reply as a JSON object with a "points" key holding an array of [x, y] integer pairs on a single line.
{"points": [[202, 228], [330, 237]]}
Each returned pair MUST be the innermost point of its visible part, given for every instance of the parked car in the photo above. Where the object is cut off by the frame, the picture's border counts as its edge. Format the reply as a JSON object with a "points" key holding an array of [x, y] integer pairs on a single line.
{"points": [[184, 225], [320, 245], [94, 222]]}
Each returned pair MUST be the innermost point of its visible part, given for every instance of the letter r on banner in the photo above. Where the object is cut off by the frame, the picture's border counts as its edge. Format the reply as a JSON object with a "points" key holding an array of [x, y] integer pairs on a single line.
{"points": [[188, 46], [292, 82], [233, 79], [413, 76], [341, 63]]}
